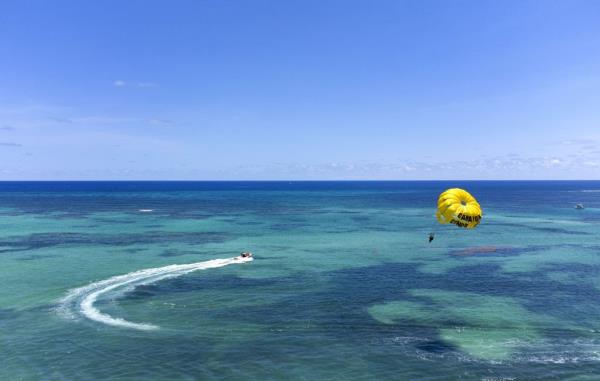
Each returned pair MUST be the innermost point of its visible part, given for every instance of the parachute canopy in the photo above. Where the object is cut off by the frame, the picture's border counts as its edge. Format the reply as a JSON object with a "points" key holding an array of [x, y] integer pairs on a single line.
{"points": [[457, 206]]}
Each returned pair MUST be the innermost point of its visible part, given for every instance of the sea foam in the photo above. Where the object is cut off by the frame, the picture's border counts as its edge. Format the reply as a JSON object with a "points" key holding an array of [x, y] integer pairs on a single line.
{"points": [[80, 301]]}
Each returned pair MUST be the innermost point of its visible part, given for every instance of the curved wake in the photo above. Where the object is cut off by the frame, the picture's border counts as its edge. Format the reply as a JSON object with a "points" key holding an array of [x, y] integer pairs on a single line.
{"points": [[80, 301]]}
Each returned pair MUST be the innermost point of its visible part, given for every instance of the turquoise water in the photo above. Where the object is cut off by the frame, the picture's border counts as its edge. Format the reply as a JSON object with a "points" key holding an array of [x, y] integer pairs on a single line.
{"points": [[344, 285]]}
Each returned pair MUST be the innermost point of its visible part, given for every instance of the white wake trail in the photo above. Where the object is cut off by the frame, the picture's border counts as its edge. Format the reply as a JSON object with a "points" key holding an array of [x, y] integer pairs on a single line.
{"points": [[80, 301]]}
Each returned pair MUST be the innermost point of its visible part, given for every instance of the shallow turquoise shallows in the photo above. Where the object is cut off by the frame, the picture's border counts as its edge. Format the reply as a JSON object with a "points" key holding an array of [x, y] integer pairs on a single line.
{"points": [[136, 281]]}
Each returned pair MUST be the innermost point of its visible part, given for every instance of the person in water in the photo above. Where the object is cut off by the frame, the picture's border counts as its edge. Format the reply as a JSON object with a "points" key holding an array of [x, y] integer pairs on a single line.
{"points": [[431, 237]]}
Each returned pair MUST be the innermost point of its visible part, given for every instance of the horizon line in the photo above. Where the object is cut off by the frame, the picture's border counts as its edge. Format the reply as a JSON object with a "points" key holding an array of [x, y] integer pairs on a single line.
{"points": [[287, 181]]}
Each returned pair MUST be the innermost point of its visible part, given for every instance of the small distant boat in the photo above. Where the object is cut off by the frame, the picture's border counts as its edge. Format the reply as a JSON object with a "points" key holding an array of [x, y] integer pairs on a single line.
{"points": [[145, 210], [244, 254], [579, 206]]}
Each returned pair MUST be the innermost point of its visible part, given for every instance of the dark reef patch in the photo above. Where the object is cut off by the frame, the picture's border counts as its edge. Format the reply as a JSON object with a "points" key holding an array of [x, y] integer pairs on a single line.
{"points": [[7, 314], [133, 250], [42, 240], [192, 283], [537, 228], [493, 251], [263, 257], [34, 257], [176, 253], [435, 346], [289, 226], [558, 231], [250, 223]]}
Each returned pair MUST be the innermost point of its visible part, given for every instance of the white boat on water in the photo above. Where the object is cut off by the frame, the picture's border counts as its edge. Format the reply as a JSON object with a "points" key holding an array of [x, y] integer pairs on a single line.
{"points": [[244, 255]]}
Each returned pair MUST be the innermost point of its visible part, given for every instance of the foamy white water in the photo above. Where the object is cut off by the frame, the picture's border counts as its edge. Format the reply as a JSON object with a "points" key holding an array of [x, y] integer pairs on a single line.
{"points": [[80, 301]]}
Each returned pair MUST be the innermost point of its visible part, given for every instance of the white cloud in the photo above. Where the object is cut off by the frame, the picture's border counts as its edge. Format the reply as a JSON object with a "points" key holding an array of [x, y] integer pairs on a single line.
{"points": [[103, 120], [110, 120], [501, 167], [578, 142], [122, 83]]}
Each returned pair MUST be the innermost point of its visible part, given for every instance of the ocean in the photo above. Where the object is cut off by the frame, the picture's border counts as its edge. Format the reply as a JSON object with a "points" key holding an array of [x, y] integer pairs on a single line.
{"points": [[137, 281]]}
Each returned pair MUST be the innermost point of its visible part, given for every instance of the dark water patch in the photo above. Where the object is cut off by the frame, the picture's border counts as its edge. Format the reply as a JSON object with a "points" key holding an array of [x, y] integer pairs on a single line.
{"points": [[266, 257], [353, 228], [111, 221], [380, 228], [34, 257], [436, 346], [278, 247], [43, 240], [143, 292], [133, 250], [583, 246], [491, 251], [176, 253], [559, 231], [554, 230], [171, 253], [196, 214], [513, 251], [572, 268], [194, 283], [351, 212], [13, 213], [506, 224], [7, 314], [289, 226], [250, 223], [591, 218]]}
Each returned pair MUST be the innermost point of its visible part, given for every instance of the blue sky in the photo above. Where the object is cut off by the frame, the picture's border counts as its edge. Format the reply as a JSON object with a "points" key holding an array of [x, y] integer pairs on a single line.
{"points": [[299, 89]]}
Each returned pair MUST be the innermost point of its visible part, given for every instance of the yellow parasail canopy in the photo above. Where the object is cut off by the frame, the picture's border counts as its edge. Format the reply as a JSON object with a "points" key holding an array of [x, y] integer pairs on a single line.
{"points": [[457, 206]]}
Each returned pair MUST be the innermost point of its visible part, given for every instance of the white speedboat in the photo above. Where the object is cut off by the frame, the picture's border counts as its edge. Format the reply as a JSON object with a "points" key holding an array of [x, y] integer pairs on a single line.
{"points": [[244, 255]]}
